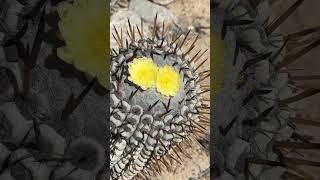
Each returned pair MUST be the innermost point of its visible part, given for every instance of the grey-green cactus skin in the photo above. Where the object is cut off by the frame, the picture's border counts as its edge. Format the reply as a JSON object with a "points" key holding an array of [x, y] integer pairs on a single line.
{"points": [[145, 125]]}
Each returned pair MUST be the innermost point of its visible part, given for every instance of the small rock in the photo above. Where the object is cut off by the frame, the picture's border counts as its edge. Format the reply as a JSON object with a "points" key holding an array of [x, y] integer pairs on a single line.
{"points": [[120, 20], [148, 10]]}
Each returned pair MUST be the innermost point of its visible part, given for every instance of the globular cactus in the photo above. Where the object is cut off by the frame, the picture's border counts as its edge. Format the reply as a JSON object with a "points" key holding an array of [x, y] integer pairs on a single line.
{"points": [[156, 100]]}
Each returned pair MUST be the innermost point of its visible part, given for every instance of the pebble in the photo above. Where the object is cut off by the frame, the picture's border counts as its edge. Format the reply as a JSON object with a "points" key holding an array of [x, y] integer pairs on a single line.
{"points": [[147, 10], [120, 20]]}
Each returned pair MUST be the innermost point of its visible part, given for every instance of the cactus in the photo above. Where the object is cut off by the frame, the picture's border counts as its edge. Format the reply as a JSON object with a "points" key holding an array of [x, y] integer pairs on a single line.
{"points": [[156, 100]]}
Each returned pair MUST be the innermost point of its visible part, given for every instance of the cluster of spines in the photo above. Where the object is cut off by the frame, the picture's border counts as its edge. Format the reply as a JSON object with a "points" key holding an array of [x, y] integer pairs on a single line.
{"points": [[294, 52], [171, 151]]}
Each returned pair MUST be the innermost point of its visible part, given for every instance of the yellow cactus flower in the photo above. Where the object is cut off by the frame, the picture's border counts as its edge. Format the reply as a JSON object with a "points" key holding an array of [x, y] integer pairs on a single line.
{"points": [[84, 28], [168, 81], [146, 74], [143, 72]]}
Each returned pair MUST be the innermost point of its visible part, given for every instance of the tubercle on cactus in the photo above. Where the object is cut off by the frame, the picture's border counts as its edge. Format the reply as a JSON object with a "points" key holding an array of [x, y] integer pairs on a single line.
{"points": [[148, 127]]}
